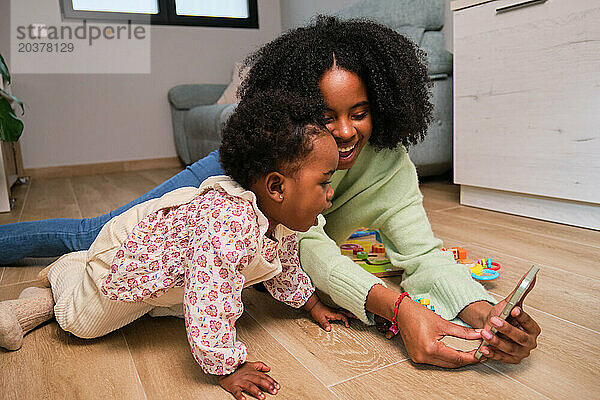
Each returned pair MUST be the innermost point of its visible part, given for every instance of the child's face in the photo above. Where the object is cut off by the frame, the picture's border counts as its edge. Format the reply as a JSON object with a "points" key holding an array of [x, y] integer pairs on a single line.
{"points": [[308, 192]]}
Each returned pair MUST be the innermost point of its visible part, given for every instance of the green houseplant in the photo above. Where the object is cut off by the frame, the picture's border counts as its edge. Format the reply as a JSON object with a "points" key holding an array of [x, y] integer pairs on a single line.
{"points": [[11, 126]]}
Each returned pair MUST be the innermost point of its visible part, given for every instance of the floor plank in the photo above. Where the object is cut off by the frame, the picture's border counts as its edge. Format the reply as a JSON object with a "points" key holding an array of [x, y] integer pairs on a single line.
{"points": [[432, 204], [333, 356], [158, 176], [184, 379], [570, 256], [439, 191], [50, 198], [95, 195], [130, 185], [19, 193], [357, 362], [53, 364], [406, 380], [570, 296], [549, 229], [565, 364], [14, 275]]}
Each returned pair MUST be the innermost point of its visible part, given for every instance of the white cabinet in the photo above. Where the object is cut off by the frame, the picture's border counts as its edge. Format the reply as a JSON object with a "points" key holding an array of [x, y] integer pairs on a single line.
{"points": [[527, 107]]}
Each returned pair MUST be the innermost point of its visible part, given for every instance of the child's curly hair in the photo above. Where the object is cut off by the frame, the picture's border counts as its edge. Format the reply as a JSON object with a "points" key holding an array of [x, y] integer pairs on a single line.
{"points": [[271, 131], [389, 64]]}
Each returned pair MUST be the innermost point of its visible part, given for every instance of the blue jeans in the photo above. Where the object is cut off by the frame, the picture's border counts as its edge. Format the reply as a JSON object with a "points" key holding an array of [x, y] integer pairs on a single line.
{"points": [[54, 237]]}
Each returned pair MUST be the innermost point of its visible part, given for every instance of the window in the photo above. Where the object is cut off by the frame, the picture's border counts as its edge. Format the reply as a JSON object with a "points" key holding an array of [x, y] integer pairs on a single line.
{"points": [[217, 13]]}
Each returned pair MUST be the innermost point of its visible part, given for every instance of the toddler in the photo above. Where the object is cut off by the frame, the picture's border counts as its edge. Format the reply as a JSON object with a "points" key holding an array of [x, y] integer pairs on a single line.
{"points": [[193, 250]]}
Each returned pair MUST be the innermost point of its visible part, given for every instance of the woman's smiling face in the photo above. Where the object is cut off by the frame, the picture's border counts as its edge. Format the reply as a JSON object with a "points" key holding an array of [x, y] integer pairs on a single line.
{"points": [[348, 116]]}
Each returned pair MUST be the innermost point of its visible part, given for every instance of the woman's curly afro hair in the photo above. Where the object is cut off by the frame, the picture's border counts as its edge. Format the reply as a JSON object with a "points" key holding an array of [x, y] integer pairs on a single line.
{"points": [[389, 64], [271, 131]]}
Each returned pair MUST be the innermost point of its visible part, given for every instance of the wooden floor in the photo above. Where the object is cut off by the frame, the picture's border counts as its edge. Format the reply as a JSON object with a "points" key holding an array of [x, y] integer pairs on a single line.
{"points": [[150, 359]]}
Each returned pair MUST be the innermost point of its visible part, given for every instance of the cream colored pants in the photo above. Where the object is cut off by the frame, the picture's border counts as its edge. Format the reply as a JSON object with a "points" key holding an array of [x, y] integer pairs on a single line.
{"points": [[85, 312]]}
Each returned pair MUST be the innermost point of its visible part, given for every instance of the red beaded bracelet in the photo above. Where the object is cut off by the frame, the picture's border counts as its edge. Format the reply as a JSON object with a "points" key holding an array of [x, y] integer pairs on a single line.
{"points": [[394, 328]]}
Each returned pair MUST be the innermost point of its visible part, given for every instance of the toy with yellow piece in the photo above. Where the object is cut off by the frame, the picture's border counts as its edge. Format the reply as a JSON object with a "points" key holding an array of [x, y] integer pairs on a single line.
{"points": [[364, 247], [483, 269], [425, 303]]}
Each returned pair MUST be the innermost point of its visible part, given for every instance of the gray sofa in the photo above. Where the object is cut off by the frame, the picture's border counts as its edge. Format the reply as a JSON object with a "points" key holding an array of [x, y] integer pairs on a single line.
{"points": [[197, 120]]}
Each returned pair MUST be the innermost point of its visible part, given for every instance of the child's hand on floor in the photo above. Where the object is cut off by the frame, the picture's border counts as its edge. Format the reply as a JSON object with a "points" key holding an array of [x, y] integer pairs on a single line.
{"points": [[249, 377], [322, 314]]}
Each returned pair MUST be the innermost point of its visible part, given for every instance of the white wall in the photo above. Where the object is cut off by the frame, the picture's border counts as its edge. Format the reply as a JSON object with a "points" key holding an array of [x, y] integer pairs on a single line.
{"points": [[92, 118]]}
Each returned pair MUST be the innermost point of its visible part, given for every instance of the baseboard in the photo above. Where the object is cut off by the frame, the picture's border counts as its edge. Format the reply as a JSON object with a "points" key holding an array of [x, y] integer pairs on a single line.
{"points": [[103, 168], [584, 215]]}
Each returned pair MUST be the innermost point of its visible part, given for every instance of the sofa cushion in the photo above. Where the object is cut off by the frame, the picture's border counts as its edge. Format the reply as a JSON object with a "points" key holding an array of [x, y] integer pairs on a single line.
{"points": [[414, 33], [184, 97], [427, 14], [229, 96], [433, 40], [438, 61], [202, 126], [226, 113]]}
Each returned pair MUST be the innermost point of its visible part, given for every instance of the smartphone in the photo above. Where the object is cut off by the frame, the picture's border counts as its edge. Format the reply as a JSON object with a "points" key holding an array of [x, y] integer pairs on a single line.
{"points": [[517, 297]]}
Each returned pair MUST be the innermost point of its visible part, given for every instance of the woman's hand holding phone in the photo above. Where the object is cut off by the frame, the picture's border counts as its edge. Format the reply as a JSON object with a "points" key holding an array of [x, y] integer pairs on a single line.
{"points": [[514, 338]]}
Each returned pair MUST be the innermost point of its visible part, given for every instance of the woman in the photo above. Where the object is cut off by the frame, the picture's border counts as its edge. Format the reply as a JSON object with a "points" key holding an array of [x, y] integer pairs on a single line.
{"points": [[375, 89]]}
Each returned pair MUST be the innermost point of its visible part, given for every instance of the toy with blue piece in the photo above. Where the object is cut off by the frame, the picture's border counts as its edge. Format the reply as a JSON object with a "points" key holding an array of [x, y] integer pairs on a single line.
{"points": [[365, 248], [366, 233], [483, 269], [426, 303]]}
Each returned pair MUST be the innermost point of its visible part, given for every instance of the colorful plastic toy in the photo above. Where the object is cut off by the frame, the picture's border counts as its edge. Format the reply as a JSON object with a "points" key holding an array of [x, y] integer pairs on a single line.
{"points": [[364, 247], [365, 233], [459, 253], [362, 255], [362, 233], [483, 269], [425, 303], [489, 264], [483, 274], [378, 248]]}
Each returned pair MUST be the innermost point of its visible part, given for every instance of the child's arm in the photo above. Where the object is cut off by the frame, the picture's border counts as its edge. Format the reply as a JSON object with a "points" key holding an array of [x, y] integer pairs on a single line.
{"points": [[212, 304], [293, 287], [220, 246]]}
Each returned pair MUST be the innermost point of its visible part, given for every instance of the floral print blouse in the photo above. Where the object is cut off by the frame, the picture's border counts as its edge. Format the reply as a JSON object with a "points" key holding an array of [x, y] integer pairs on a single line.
{"points": [[204, 246]]}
